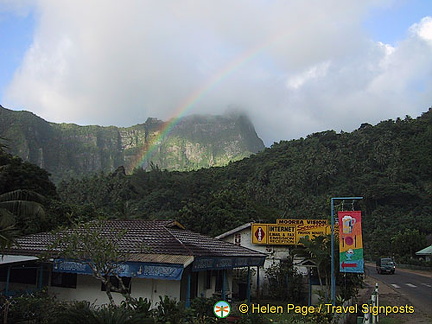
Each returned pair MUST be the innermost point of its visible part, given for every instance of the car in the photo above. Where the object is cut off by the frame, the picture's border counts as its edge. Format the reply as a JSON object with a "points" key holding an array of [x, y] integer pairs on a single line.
{"points": [[385, 265]]}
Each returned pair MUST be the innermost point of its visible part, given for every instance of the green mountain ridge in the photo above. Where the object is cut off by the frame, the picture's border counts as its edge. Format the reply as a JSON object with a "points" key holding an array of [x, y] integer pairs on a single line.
{"points": [[69, 150], [388, 164]]}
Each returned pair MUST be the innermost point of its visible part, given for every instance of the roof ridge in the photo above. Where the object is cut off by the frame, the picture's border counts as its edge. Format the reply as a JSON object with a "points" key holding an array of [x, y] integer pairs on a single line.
{"points": [[181, 243]]}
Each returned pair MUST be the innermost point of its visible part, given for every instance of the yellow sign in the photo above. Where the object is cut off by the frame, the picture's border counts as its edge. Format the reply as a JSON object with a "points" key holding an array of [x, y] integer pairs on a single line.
{"points": [[289, 231], [281, 234], [259, 234], [303, 222], [311, 232], [273, 234]]}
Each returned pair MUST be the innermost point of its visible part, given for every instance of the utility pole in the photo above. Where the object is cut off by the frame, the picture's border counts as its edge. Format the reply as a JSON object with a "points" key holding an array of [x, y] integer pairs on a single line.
{"points": [[333, 272]]}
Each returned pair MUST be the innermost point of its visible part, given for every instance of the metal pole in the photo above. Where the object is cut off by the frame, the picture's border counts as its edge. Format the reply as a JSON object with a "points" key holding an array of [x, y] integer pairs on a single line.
{"points": [[310, 287], [7, 280], [258, 282], [332, 261], [223, 284], [40, 281], [188, 290], [333, 274], [248, 289]]}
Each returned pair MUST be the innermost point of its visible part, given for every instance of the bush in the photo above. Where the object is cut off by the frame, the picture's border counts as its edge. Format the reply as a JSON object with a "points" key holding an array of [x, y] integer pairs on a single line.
{"points": [[141, 305], [169, 311], [284, 282], [202, 309], [36, 307], [43, 308], [84, 312]]}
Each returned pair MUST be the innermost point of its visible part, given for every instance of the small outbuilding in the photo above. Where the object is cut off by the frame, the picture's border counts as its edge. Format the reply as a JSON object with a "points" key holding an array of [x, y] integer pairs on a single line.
{"points": [[242, 236], [175, 262], [426, 253]]}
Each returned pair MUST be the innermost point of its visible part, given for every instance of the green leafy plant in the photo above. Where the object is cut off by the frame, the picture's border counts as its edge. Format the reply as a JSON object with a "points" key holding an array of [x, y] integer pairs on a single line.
{"points": [[139, 305], [284, 281], [84, 312], [169, 311], [37, 307]]}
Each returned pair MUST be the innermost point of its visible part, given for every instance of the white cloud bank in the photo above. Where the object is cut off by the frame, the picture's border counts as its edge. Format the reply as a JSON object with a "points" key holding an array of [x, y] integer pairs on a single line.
{"points": [[296, 67]]}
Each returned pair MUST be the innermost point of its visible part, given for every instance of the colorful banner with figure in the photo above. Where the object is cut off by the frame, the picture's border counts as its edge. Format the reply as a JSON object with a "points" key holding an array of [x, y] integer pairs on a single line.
{"points": [[350, 242]]}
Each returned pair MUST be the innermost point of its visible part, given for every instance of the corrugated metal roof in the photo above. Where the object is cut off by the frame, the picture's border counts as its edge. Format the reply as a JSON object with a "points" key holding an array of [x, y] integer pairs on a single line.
{"points": [[185, 260], [425, 251], [6, 259]]}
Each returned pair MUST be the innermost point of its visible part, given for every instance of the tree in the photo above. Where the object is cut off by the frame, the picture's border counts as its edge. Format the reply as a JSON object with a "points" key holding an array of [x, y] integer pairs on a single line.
{"points": [[318, 250], [406, 243], [17, 204], [285, 283], [23, 188], [96, 246]]}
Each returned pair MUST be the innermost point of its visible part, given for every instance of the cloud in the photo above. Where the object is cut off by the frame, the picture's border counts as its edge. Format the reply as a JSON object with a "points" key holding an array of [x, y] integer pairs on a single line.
{"points": [[423, 29], [295, 67]]}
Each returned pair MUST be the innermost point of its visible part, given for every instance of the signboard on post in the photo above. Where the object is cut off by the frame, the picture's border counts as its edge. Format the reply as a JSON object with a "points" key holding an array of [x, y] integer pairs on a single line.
{"points": [[281, 234], [289, 231], [307, 228], [350, 242], [273, 234]]}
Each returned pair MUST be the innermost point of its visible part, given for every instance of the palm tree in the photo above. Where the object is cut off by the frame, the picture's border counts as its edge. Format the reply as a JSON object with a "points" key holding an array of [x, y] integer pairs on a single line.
{"points": [[17, 204], [318, 250]]}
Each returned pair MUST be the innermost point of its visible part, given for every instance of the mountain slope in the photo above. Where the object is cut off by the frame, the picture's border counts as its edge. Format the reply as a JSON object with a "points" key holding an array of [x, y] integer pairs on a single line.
{"points": [[388, 164], [68, 150]]}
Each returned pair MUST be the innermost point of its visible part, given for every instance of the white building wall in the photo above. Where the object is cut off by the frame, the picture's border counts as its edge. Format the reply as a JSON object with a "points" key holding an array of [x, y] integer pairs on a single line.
{"points": [[275, 254], [89, 288]]}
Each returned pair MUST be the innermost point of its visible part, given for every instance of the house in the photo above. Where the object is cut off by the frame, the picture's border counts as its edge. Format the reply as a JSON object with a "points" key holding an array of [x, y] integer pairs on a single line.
{"points": [[426, 253], [241, 236], [175, 262]]}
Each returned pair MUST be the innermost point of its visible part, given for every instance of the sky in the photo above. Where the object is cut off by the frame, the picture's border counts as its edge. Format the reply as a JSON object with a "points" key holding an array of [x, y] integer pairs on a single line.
{"points": [[295, 67]]}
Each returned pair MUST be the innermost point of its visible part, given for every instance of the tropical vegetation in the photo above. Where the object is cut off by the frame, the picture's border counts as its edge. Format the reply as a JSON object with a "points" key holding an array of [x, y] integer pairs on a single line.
{"points": [[387, 164]]}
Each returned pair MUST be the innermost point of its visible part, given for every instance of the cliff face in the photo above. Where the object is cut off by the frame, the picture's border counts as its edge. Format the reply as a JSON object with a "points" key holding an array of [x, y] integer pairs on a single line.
{"points": [[69, 150]]}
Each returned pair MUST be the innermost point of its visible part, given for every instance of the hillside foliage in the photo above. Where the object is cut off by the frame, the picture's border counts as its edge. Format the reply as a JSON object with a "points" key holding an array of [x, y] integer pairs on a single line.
{"points": [[388, 164]]}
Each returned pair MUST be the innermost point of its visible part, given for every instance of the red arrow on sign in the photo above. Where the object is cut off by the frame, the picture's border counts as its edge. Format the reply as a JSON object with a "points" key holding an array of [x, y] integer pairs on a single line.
{"points": [[348, 265]]}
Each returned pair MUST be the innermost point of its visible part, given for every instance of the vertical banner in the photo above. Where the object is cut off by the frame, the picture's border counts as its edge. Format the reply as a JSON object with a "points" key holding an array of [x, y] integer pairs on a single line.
{"points": [[350, 242]]}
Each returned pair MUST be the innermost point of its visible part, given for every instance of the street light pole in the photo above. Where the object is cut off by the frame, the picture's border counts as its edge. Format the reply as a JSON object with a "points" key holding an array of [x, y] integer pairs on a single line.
{"points": [[333, 272]]}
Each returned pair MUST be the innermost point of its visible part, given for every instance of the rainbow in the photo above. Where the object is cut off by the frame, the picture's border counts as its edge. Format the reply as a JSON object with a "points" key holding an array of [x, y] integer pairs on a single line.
{"points": [[147, 152]]}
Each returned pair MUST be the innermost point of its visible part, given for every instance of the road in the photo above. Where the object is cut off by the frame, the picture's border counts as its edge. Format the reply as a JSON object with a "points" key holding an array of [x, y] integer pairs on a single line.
{"points": [[416, 287]]}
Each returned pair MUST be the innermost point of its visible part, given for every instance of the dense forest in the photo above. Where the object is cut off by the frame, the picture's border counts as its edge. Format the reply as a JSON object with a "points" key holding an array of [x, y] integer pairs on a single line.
{"points": [[389, 165]]}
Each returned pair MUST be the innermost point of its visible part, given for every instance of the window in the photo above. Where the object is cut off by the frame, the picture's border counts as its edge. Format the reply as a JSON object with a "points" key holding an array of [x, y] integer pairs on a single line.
{"points": [[219, 280], [24, 275], [115, 282], [237, 239], [62, 279]]}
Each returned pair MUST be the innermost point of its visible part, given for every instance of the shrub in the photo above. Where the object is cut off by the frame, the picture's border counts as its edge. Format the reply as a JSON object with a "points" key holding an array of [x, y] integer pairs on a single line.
{"points": [[36, 307], [169, 311]]}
